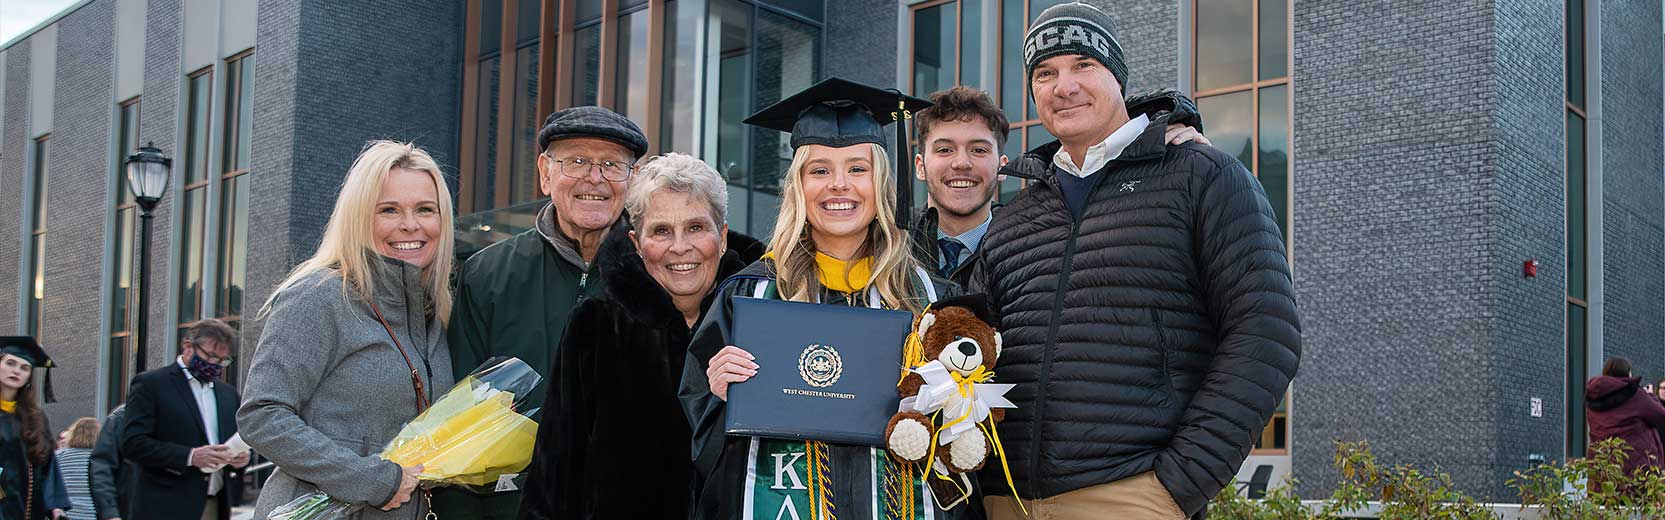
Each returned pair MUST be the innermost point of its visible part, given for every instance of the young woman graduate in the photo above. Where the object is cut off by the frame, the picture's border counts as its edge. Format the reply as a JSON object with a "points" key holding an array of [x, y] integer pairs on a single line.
{"points": [[30, 486], [836, 242]]}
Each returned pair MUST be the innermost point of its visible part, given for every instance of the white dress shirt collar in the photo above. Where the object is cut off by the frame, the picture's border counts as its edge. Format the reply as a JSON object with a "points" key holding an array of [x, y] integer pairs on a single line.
{"points": [[1102, 153]]}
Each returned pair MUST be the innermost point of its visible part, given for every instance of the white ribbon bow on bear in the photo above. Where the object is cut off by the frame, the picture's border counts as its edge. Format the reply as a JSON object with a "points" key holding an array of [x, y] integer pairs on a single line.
{"points": [[960, 412]]}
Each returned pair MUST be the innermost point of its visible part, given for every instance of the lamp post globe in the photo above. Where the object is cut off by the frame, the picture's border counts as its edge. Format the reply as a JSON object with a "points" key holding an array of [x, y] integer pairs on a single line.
{"points": [[147, 175]]}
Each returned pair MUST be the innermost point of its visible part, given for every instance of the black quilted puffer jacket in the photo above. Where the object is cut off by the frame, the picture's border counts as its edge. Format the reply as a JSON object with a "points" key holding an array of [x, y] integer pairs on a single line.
{"points": [[1158, 332]]}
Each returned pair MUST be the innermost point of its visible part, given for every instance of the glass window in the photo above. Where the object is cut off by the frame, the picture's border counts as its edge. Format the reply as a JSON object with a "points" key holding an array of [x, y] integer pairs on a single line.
{"points": [[43, 160], [1038, 6], [1231, 123], [37, 284], [120, 354], [485, 136], [630, 85], [730, 48], [491, 27], [587, 11], [787, 60], [934, 54], [811, 9], [127, 142], [199, 93], [239, 109], [1223, 51], [677, 129], [190, 275], [1274, 151], [122, 290], [527, 18], [1037, 136], [1575, 52], [234, 234], [36, 276], [1577, 239], [971, 43], [1274, 38], [626, 5], [524, 169], [586, 65], [1014, 89], [1577, 368]]}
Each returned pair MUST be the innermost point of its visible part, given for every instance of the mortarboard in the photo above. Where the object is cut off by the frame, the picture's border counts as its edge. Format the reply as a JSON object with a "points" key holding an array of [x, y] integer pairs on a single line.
{"points": [[838, 112], [25, 347]]}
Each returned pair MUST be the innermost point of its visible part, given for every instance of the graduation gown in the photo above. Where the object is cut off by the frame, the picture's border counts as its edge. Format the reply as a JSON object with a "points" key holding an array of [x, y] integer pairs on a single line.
{"points": [[744, 478], [15, 470]]}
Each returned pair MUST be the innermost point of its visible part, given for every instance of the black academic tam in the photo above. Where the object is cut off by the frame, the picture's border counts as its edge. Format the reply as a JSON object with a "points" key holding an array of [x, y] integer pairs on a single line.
{"points": [[838, 112]]}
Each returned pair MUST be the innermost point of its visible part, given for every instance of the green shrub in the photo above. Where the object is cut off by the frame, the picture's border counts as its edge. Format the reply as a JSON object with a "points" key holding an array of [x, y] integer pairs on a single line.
{"points": [[1577, 489]]}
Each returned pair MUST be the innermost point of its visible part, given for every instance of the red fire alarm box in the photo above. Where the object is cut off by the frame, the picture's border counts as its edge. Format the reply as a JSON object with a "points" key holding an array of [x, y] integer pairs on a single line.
{"points": [[1531, 268]]}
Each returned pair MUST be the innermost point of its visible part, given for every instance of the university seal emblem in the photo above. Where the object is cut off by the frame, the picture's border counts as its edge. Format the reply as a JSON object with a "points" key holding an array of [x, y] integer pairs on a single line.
{"points": [[820, 366]]}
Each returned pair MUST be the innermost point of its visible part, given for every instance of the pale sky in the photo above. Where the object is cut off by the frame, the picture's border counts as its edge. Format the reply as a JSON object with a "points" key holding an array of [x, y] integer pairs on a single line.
{"points": [[17, 16]]}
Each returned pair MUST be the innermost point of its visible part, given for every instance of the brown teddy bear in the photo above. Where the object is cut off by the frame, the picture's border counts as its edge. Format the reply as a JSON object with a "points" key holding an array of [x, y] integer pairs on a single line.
{"points": [[946, 393]]}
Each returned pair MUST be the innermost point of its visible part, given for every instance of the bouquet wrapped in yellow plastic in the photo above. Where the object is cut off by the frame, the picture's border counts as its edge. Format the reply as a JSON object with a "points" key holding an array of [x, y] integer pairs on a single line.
{"points": [[470, 437]]}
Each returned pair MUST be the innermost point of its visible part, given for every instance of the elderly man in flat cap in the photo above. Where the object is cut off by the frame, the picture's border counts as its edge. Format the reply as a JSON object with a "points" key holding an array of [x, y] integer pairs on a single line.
{"points": [[514, 297]]}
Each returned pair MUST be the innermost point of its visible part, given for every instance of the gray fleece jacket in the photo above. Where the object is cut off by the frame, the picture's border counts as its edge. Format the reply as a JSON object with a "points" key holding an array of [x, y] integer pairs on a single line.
{"points": [[327, 389]]}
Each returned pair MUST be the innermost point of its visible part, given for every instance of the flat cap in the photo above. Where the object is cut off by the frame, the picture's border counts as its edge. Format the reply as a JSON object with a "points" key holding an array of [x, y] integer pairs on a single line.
{"points": [[595, 122]]}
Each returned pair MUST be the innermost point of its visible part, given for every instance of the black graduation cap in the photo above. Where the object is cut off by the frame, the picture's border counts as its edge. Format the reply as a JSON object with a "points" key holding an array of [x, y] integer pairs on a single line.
{"points": [[25, 347], [978, 303], [838, 112]]}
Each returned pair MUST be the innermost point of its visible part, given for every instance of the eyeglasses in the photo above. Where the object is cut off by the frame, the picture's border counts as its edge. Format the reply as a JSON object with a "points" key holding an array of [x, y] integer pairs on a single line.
{"points": [[579, 167], [203, 353]]}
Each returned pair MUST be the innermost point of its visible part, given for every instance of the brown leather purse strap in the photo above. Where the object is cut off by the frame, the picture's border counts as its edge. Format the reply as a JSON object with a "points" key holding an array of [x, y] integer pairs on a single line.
{"points": [[415, 379]]}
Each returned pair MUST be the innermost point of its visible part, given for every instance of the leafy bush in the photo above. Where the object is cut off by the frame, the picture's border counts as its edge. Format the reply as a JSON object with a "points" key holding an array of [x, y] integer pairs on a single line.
{"points": [[1580, 488]]}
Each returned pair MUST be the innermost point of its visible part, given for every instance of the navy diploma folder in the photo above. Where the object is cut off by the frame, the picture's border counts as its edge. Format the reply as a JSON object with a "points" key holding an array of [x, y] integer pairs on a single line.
{"points": [[825, 372]]}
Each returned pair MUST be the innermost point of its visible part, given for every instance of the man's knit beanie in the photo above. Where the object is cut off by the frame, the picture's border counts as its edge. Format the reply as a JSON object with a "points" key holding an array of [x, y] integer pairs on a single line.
{"points": [[1074, 28]]}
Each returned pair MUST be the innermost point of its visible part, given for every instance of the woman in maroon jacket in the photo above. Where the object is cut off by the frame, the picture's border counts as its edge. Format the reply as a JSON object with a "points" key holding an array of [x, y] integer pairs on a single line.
{"points": [[1617, 407]]}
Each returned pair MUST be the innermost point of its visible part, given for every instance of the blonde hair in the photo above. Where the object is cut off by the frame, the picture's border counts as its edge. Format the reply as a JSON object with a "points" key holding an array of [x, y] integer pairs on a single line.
{"points": [[794, 249], [348, 245], [82, 434]]}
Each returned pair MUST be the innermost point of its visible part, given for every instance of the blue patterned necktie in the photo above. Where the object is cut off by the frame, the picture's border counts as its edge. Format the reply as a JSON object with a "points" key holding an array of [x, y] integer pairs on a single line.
{"points": [[951, 250]]}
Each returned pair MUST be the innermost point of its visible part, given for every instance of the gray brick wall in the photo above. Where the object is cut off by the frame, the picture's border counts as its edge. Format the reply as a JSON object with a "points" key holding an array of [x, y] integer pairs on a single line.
{"points": [[317, 103], [1394, 242], [159, 123], [1528, 219], [1149, 34], [14, 149], [1634, 222], [273, 150], [77, 206], [860, 44]]}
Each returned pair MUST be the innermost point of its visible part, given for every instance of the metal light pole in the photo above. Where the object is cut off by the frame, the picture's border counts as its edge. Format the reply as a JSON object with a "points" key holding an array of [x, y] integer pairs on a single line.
{"points": [[147, 175]]}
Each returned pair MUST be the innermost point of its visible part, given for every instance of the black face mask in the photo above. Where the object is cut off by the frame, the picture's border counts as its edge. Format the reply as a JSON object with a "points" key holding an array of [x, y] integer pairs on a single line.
{"points": [[202, 370]]}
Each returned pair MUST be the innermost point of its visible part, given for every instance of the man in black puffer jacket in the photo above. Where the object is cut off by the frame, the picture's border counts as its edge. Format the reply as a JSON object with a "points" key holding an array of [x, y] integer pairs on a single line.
{"points": [[1147, 309]]}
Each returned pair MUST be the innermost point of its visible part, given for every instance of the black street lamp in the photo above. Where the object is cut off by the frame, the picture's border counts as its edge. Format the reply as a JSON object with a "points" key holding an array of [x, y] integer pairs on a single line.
{"points": [[147, 175]]}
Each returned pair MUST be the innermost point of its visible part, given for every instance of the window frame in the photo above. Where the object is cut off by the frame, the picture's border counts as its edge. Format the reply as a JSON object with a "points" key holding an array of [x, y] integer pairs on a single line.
{"points": [[1254, 86], [34, 298], [1576, 428], [223, 221], [122, 328], [186, 190], [557, 27]]}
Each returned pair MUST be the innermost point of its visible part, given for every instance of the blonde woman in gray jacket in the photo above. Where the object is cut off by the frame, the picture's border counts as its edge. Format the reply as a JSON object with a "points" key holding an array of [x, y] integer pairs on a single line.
{"points": [[330, 385]]}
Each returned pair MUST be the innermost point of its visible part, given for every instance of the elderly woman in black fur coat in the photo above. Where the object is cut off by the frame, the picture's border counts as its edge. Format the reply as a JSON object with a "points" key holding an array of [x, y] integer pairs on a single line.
{"points": [[614, 442]]}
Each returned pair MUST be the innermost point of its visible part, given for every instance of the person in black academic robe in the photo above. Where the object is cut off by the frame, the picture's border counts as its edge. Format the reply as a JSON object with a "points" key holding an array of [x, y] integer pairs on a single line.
{"points": [[612, 432], [33, 489]]}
